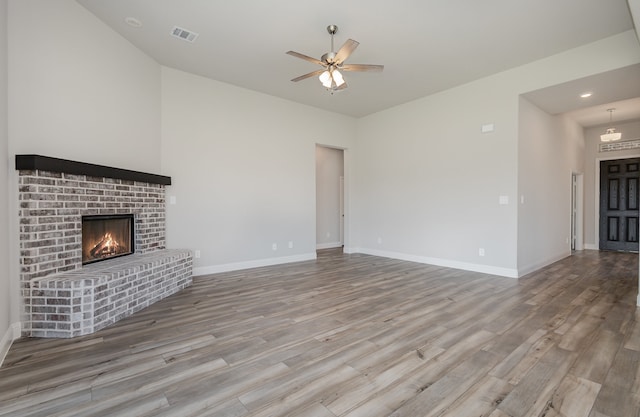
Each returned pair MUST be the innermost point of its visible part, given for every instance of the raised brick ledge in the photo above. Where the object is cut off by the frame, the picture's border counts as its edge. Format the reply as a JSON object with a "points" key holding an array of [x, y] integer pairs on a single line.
{"points": [[83, 301]]}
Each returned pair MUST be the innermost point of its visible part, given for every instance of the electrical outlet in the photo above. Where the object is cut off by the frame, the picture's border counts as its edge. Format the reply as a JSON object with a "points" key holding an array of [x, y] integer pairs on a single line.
{"points": [[486, 128], [379, 241], [197, 253], [291, 244], [274, 246], [480, 251]]}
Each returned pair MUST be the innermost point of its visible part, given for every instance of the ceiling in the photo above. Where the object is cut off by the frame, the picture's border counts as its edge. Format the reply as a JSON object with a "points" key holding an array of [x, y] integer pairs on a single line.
{"points": [[618, 89], [425, 46]]}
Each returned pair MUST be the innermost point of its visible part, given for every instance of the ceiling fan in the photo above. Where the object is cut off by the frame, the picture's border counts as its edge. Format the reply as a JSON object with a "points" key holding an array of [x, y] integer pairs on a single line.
{"points": [[333, 62]]}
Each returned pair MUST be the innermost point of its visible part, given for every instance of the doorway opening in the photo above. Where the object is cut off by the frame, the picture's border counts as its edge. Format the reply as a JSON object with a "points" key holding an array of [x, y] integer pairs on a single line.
{"points": [[330, 197]]}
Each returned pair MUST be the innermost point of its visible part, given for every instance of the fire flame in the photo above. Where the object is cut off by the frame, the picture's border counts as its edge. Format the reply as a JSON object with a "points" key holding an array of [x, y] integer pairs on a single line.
{"points": [[105, 247]]}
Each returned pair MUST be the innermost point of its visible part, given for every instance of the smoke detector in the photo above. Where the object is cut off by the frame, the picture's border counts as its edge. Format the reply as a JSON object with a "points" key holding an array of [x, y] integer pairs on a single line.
{"points": [[133, 22]]}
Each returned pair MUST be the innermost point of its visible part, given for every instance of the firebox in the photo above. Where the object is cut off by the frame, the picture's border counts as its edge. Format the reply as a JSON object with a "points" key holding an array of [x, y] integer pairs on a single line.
{"points": [[107, 236]]}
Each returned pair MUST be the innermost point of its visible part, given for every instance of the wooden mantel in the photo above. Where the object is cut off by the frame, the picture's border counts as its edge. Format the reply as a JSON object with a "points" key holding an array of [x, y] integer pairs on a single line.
{"points": [[47, 163]]}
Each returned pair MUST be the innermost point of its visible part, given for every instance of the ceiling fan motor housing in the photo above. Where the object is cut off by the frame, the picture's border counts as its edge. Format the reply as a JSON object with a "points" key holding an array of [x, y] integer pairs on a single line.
{"points": [[328, 58]]}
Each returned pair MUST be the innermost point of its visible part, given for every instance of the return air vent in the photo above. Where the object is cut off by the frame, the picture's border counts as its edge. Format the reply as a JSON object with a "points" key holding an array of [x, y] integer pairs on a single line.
{"points": [[184, 34]]}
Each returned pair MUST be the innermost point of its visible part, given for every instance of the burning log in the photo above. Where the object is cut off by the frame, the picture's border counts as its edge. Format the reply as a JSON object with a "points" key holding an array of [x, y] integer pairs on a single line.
{"points": [[106, 246]]}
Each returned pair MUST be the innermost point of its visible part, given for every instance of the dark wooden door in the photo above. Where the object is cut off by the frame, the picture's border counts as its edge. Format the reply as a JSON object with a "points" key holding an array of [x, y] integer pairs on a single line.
{"points": [[619, 204]]}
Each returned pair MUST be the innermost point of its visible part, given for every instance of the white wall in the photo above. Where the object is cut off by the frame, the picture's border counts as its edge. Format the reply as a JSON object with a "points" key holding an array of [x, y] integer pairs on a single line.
{"points": [[243, 169], [79, 91], [550, 150], [629, 130], [329, 169], [428, 182], [6, 297]]}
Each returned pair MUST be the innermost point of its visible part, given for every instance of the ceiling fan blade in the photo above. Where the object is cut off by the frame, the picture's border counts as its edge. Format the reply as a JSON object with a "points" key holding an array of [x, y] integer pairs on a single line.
{"points": [[361, 67], [305, 57], [345, 50], [342, 87], [308, 75]]}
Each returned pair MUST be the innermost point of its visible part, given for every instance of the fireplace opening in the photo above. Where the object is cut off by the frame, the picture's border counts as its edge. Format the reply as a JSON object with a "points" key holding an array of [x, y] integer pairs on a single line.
{"points": [[106, 237]]}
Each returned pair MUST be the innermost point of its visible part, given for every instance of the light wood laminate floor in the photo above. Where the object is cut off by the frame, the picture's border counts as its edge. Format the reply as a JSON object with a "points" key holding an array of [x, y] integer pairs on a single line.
{"points": [[355, 335]]}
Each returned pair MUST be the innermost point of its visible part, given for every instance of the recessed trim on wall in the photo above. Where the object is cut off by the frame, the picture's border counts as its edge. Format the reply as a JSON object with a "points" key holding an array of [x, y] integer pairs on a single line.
{"points": [[619, 146]]}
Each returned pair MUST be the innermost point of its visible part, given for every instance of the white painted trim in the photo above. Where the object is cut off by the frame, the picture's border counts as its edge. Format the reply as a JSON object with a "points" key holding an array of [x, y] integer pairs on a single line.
{"points": [[578, 205], [638, 302], [12, 333], [466, 266], [236, 266], [538, 265], [17, 330], [328, 245], [591, 246]]}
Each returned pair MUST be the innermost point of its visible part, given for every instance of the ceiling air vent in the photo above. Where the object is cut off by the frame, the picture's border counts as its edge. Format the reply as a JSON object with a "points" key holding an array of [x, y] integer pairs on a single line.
{"points": [[184, 34]]}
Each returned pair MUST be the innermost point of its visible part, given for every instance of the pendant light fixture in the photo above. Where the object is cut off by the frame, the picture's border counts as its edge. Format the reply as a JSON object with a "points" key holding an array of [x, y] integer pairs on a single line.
{"points": [[610, 135]]}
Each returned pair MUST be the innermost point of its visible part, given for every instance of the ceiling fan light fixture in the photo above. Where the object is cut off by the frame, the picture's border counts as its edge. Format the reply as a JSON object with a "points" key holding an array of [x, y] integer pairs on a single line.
{"points": [[331, 79], [325, 79], [329, 76], [610, 135], [337, 78]]}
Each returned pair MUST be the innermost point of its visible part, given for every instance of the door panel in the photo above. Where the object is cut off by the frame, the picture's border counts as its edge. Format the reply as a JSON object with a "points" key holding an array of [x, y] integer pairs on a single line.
{"points": [[632, 229], [619, 203], [632, 193], [614, 195]]}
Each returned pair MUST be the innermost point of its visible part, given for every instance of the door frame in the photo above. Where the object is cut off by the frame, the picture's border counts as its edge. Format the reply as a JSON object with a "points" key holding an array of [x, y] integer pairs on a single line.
{"points": [[577, 211], [596, 189], [344, 197], [341, 220]]}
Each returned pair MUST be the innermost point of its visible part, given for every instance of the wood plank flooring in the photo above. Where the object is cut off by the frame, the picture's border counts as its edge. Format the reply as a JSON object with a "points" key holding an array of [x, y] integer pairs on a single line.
{"points": [[354, 335]]}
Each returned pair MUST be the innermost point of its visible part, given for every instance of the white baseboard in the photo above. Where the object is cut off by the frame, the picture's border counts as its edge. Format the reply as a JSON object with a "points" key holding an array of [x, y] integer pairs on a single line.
{"points": [[12, 333], [329, 245], [466, 266], [638, 302], [537, 265], [236, 266], [591, 246]]}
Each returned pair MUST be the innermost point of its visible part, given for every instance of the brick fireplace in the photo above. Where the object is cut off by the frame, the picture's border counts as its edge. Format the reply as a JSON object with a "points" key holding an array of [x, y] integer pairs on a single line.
{"points": [[63, 297]]}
